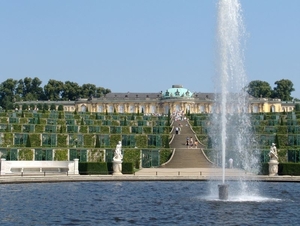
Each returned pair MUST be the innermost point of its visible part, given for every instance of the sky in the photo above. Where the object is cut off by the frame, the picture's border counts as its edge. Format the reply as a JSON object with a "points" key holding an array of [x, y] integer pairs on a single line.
{"points": [[143, 46]]}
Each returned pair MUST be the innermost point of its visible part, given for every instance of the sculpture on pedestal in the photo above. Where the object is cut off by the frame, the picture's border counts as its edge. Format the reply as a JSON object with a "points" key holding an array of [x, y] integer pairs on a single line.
{"points": [[117, 160], [273, 164]]}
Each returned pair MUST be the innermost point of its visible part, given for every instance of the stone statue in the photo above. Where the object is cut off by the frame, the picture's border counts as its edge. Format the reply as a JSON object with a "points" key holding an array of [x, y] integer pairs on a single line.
{"points": [[117, 160], [118, 155], [273, 163], [273, 152]]}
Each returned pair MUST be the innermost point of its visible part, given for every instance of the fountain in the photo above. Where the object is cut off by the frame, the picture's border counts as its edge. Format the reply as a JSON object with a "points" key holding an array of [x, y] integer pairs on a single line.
{"points": [[231, 126]]}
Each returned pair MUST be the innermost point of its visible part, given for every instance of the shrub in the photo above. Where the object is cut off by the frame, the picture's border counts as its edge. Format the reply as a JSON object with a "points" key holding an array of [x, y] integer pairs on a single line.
{"points": [[88, 168]]}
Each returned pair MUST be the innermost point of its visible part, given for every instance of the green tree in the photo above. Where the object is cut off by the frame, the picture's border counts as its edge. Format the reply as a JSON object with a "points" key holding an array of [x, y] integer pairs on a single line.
{"points": [[283, 90], [45, 107], [259, 89], [52, 107], [60, 108], [71, 91], [53, 90], [8, 93], [28, 143], [297, 107]]}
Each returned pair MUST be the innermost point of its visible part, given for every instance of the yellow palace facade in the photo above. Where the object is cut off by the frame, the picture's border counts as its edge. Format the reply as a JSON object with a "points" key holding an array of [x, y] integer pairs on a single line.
{"points": [[173, 99]]}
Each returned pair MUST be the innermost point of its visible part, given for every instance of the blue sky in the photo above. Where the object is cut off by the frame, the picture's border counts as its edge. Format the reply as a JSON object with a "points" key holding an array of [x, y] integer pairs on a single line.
{"points": [[143, 46]]}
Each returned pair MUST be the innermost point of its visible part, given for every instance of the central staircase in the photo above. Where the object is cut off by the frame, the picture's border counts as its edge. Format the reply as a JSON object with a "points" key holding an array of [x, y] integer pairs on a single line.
{"points": [[184, 156]]}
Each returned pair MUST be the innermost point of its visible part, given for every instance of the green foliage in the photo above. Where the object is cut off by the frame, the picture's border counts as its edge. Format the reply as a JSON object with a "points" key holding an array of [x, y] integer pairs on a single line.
{"points": [[61, 155], [147, 129], [83, 129], [141, 141], [28, 143], [292, 169], [62, 140], [35, 140], [132, 155], [17, 128], [125, 129], [25, 154], [90, 168], [96, 155], [60, 107], [88, 140], [283, 90], [127, 168], [165, 155], [114, 139], [259, 89]]}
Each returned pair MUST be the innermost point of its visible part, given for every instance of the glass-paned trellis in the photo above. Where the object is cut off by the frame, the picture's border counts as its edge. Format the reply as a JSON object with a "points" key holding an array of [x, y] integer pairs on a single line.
{"points": [[28, 128], [161, 123], [293, 140], [43, 155], [80, 154], [94, 129], [88, 122], [266, 139], [104, 140], [158, 129], [142, 123], [13, 120], [109, 154], [270, 129], [69, 115], [291, 122], [12, 154], [115, 129], [150, 158], [137, 129], [265, 156], [128, 141], [106, 122], [3, 152], [154, 141], [50, 128], [53, 115], [70, 121], [20, 138], [294, 155], [51, 121], [49, 140], [5, 128], [76, 140], [72, 129]]}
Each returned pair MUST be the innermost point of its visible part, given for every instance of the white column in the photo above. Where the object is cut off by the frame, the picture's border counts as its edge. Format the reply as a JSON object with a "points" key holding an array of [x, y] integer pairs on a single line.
{"points": [[76, 163]]}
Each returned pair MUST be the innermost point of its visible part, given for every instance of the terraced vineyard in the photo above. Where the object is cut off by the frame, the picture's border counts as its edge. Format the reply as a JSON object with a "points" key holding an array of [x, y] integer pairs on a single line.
{"points": [[91, 137], [280, 128]]}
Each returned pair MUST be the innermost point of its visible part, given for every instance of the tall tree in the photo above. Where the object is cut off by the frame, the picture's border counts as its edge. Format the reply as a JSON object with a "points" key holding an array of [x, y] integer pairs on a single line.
{"points": [[259, 89], [53, 90], [71, 91], [283, 90], [8, 93]]}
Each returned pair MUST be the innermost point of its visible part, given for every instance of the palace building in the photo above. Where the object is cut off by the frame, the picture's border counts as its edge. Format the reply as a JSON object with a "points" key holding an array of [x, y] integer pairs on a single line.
{"points": [[173, 99]]}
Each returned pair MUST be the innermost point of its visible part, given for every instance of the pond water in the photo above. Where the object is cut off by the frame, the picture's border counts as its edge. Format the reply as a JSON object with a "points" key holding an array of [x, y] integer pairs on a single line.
{"points": [[147, 203]]}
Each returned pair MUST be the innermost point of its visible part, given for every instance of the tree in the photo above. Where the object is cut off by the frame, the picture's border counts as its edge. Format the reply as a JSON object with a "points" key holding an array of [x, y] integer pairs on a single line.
{"points": [[297, 107], [45, 107], [7, 93], [53, 90], [283, 90], [28, 143], [60, 107], [71, 91], [52, 107], [259, 89]]}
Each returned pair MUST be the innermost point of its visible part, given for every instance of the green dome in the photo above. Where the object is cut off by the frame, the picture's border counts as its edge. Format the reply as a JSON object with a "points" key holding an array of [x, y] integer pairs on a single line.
{"points": [[177, 91]]}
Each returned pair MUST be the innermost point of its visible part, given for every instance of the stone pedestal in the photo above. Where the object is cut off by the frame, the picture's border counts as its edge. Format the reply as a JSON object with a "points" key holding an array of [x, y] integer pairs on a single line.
{"points": [[273, 167], [223, 191], [117, 167]]}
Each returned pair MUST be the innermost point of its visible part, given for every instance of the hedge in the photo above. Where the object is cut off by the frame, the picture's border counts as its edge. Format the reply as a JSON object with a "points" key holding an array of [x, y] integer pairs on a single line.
{"points": [[88, 168]]}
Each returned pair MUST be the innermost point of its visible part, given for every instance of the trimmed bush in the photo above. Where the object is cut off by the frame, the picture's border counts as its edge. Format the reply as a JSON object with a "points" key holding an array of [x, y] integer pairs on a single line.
{"points": [[289, 169], [127, 168], [89, 168]]}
